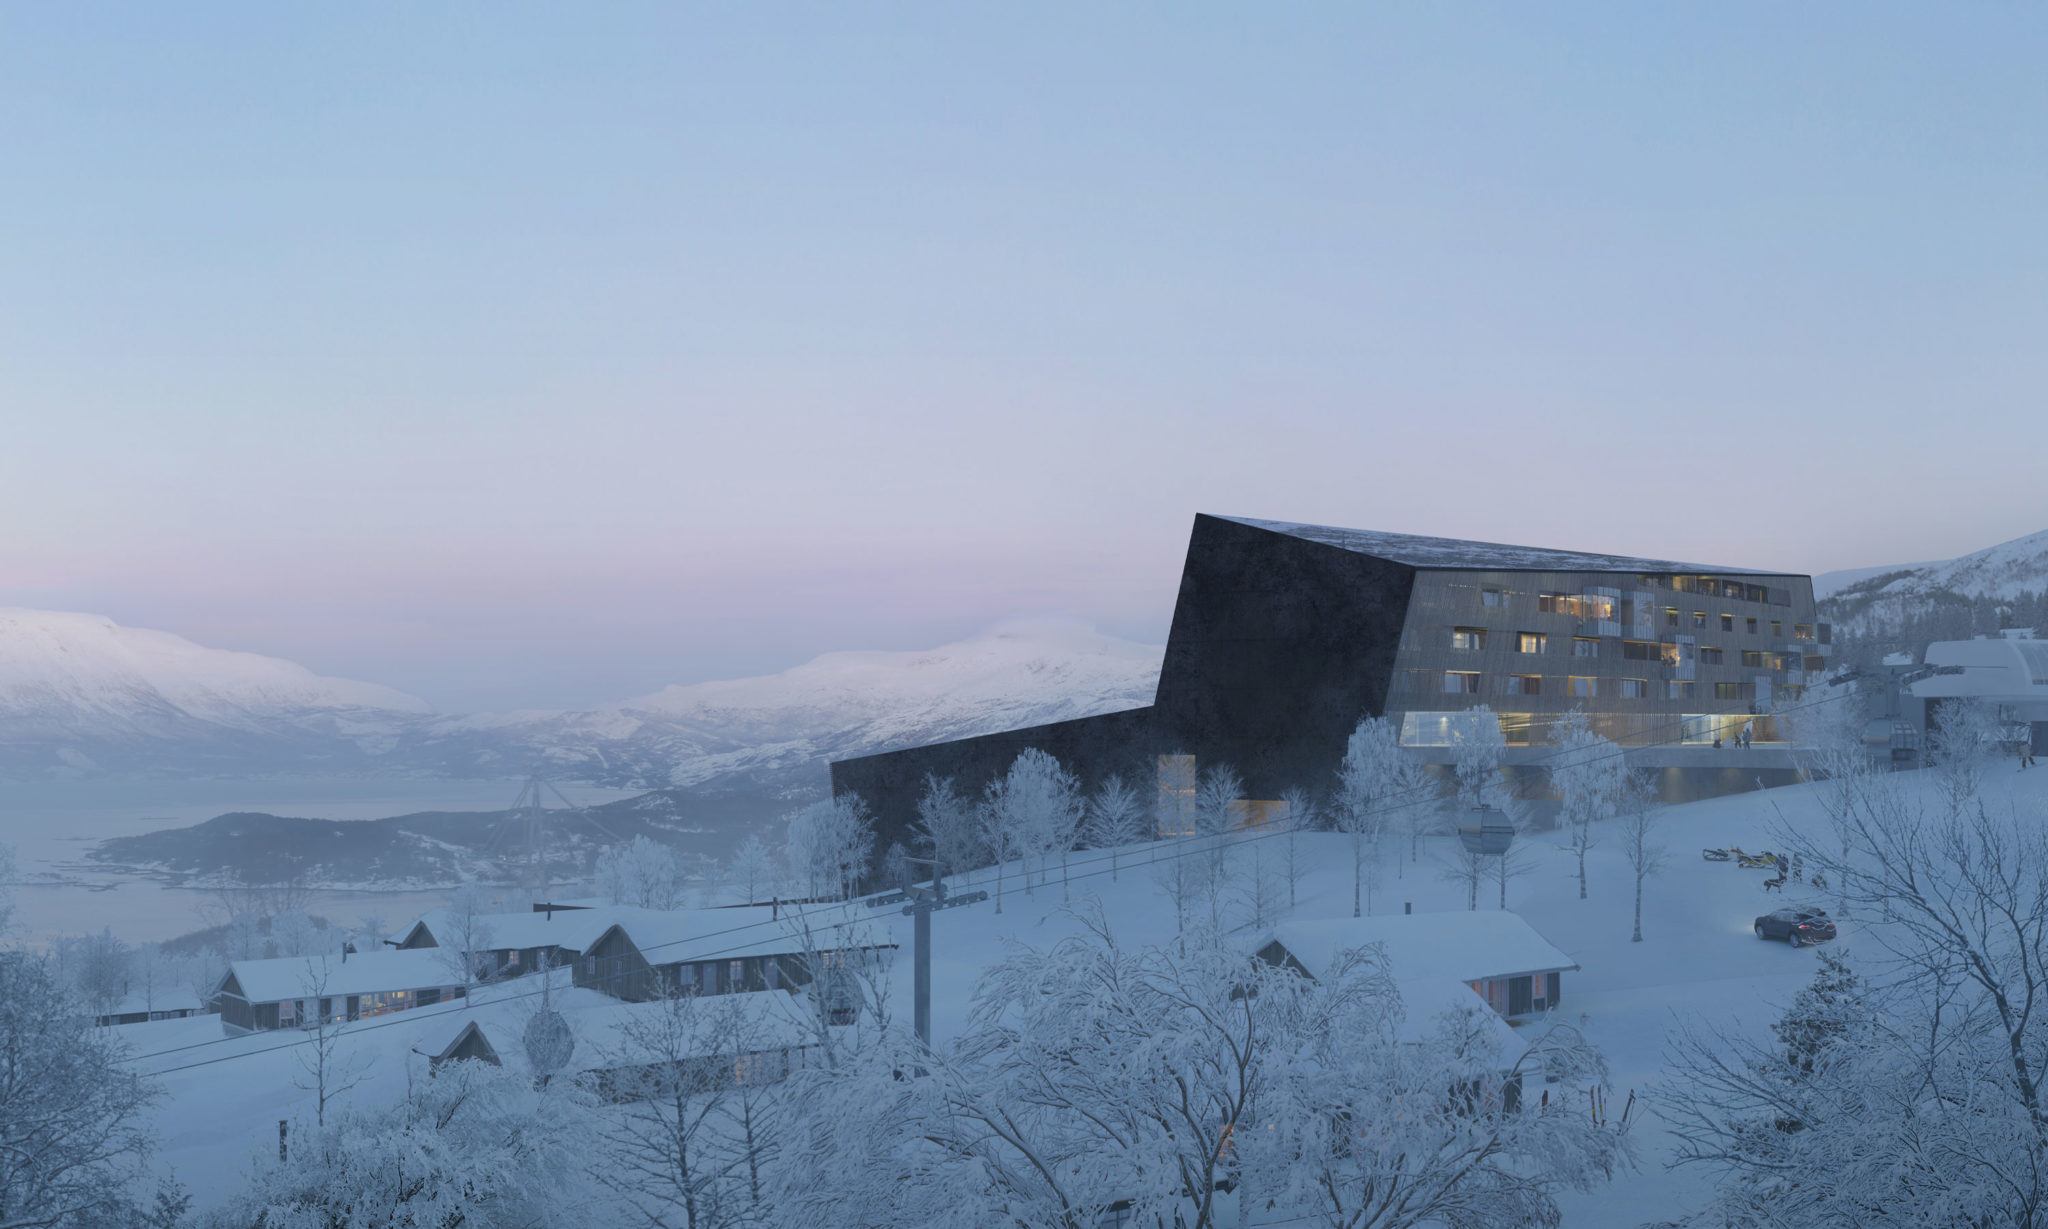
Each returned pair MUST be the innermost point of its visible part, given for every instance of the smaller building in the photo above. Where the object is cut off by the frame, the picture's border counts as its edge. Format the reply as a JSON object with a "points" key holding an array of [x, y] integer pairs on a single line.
{"points": [[646, 954], [634, 1051], [168, 1004], [1497, 954], [2009, 672], [302, 991], [513, 944], [465, 1042]]}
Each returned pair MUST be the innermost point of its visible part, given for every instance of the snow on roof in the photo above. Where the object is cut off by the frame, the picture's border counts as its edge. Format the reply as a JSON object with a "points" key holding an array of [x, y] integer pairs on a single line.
{"points": [[174, 998], [1421, 552], [568, 928], [670, 936], [1425, 1000], [715, 1024], [298, 977], [2000, 668], [1464, 946]]}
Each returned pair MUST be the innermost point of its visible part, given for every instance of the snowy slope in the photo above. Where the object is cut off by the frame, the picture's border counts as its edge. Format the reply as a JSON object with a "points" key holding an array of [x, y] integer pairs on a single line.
{"points": [[82, 690], [1872, 600], [780, 728], [80, 694]]}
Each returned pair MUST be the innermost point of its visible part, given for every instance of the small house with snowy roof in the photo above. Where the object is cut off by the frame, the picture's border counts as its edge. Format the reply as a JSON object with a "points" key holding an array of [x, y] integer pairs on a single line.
{"points": [[1495, 953]]}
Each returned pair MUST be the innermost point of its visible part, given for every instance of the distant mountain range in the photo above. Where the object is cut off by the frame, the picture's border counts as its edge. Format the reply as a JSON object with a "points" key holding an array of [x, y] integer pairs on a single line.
{"points": [[1947, 599], [81, 695]]}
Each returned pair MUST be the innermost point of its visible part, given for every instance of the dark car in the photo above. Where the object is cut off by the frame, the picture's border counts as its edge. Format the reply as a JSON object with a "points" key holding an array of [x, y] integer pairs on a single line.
{"points": [[1796, 925]]}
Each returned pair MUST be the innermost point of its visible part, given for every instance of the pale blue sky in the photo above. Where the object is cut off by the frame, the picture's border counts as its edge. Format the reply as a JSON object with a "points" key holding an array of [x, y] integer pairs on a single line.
{"points": [[543, 355]]}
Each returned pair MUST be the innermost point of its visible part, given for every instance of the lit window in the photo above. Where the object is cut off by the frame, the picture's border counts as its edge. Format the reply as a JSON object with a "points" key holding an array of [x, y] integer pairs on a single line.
{"points": [[1525, 684], [1489, 597], [1531, 642], [1461, 682], [1583, 647], [1699, 618], [1731, 691], [1802, 631], [1583, 685], [1635, 689], [1554, 603], [1468, 639]]}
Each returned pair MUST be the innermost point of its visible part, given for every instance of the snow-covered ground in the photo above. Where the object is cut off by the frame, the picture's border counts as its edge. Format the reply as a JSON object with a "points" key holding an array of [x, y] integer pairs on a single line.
{"points": [[1698, 963]]}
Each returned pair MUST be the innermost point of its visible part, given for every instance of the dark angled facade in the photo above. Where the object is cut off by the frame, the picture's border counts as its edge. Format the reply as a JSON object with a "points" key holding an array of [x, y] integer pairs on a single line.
{"points": [[1284, 635]]}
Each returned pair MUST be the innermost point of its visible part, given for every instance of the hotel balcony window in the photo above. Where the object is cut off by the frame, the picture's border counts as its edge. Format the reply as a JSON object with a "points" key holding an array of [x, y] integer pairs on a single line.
{"points": [[1802, 631], [1555, 603], [1461, 682], [1490, 597], [1762, 660], [1635, 689], [1731, 691], [1671, 616], [1582, 647], [1751, 621], [1699, 619], [1525, 685], [1777, 628], [1710, 657], [1681, 690], [1468, 639], [1531, 642], [1641, 650], [1727, 622], [1582, 685]]}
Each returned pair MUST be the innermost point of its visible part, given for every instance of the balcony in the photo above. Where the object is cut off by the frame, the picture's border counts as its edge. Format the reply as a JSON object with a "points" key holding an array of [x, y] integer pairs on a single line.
{"points": [[1599, 627], [1682, 671]]}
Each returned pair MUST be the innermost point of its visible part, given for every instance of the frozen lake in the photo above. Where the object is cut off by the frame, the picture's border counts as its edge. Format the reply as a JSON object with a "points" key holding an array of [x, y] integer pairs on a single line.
{"points": [[51, 825]]}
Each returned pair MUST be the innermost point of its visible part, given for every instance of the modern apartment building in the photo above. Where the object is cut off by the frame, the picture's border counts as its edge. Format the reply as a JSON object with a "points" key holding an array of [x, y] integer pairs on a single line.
{"points": [[1284, 635]]}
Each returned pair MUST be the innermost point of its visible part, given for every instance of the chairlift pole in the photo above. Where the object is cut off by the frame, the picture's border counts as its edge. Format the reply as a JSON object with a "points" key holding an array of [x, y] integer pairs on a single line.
{"points": [[924, 900]]}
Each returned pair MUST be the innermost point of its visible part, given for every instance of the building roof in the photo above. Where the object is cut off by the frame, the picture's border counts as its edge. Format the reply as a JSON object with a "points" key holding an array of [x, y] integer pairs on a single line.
{"points": [[566, 928], [163, 998], [298, 977], [681, 935], [1992, 669], [1424, 1000], [1454, 553], [713, 1024], [1463, 945]]}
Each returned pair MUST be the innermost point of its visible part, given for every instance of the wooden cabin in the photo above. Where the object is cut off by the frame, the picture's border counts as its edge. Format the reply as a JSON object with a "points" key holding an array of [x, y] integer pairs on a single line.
{"points": [[302, 991], [514, 944], [168, 1004], [1497, 954], [645, 954]]}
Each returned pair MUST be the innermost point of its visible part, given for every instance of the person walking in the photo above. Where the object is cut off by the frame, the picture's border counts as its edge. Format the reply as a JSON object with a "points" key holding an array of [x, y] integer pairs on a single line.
{"points": [[2026, 754]]}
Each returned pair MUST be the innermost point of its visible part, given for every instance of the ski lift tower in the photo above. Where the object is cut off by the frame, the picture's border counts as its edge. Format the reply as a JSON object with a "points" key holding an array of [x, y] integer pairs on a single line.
{"points": [[533, 821]]}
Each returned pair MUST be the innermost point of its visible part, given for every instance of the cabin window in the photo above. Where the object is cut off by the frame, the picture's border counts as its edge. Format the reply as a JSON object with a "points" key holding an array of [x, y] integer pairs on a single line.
{"points": [[288, 1014], [707, 977]]}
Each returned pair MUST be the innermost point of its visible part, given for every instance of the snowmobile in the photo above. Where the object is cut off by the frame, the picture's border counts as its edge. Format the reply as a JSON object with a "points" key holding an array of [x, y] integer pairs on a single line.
{"points": [[1759, 862], [1716, 855]]}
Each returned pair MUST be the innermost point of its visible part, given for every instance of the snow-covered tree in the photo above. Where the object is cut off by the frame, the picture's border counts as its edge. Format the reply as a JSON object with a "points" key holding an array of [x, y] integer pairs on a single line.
{"points": [[829, 845], [641, 872], [1480, 747], [1174, 804], [100, 967], [1301, 816], [946, 825], [1637, 828], [295, 932], [1376, 781], [1115, 818], [1219, 817], [471, 1146], [697, 1123], [73, 1147], [327, 1071], [1588, 772], [1967, 735], [468, 935], [752, 869], [1171, 1082], [1036, 808]]}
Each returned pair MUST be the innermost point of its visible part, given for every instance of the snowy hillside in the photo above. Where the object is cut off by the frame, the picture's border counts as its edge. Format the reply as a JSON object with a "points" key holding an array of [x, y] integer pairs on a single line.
{"points": [[81, 691], [1937, 600], [80, 694], [779, 729]]}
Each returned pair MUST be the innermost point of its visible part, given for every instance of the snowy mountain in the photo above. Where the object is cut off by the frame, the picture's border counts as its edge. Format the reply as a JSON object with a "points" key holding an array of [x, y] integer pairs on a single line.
{"points": [[778, 730], [81, 694], [1946, 599]]}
